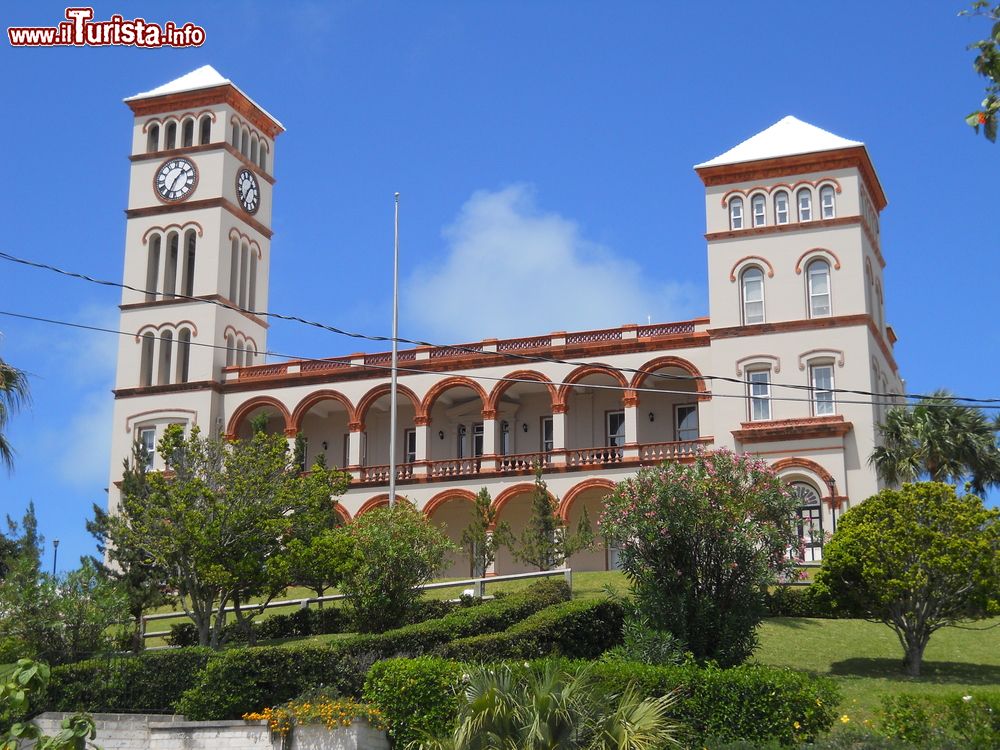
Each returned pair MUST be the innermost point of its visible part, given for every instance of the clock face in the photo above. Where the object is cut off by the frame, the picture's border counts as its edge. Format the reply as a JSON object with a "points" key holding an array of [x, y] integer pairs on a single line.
{"points": [[176, 179], [248, 191]]}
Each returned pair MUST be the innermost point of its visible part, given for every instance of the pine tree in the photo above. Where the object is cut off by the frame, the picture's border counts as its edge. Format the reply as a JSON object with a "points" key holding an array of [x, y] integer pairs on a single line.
{"points": [[546, 541], [479, 544]]}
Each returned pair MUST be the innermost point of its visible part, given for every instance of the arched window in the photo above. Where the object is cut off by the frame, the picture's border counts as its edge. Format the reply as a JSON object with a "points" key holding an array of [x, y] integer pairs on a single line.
{"points": [[239, 354], [808, 521], [183, 355], [171, 136], [187, 132], [251, 353], [758, 206], [187, 286], [879, 306], [253, 148], [781, 207], [235, 138], [234, 271], [230, 349], [736, 213], [244, 260], [153, 139], [146, 361], [152, 267], [166, 355], [245, 142], [805, 204], [263, 156], [170, 272], [752, 293], [818, 282], [206, 130], [252, 294], [868, 292], [826, 202]]}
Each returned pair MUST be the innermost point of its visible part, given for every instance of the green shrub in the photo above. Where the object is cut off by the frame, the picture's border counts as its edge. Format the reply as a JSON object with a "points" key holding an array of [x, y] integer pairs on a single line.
{"points": [[643, 643], [967, 721], [749, 702], [152, 681], [415, 696], [799, 601], [578, 629]]}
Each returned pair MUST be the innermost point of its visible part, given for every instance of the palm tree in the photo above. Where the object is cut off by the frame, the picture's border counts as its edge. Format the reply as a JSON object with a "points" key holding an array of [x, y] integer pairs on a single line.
{"points": [[550, 708], [13, 395], [941, 439]]}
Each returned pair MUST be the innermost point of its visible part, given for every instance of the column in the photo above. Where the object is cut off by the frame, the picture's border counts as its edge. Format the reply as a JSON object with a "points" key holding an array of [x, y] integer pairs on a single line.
{"points": [[559, 434], [631, 404], [489, 439], [356, 431], [421, 425]]}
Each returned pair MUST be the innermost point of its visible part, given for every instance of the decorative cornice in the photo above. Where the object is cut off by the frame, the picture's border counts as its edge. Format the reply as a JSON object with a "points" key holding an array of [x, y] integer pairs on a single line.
{"points": [[800, 226], [223, 94], [141, 213], [218, 146], [806, 324], [184, 301], [792, 429]]}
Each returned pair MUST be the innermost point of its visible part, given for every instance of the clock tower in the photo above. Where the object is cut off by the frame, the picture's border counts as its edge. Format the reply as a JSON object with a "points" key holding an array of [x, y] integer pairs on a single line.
{"points": [[197, 253]]}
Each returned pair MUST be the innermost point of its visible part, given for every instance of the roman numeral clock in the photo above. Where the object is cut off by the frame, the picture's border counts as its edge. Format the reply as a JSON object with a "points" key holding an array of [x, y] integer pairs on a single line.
{"points": [[176, 179]]}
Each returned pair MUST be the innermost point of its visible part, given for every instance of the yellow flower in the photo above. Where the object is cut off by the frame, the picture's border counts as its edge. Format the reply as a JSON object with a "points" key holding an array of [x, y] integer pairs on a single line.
{"points": [[796, 725], [844, 719]]}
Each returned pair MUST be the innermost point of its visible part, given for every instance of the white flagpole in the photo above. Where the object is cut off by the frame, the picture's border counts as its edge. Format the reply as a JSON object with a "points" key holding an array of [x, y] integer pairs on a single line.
{"points": [[395, 355]]}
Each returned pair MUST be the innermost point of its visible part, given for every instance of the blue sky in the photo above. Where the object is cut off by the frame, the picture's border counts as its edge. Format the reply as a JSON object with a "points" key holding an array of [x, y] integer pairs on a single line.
{"points": [[523, 137]]}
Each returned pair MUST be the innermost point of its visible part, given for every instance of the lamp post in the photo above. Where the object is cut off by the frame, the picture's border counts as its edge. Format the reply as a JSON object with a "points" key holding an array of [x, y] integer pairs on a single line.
{"points": [[395, 355], [55, 555], [832, 484]]}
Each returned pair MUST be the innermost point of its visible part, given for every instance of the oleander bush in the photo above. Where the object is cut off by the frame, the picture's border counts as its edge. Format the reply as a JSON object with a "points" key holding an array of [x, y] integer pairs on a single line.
{"points": [[416, 696], [582, 629]]}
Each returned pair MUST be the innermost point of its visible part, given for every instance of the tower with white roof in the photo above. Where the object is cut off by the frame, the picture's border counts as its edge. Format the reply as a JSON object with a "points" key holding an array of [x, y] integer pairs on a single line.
{"points": [[197, 251]]}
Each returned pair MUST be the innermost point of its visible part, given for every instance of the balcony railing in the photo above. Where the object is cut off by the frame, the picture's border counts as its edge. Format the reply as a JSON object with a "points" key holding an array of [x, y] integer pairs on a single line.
{"points": [[560, 460]]}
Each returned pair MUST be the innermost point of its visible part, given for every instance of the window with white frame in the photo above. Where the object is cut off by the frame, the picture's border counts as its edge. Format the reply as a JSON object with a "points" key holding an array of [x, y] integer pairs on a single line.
{"points": [[781, 207], [805, 204], [752, 293], [821, 380], [615, 423], [147, 439], [409, 446], [686, 421], [477, 439], [818, 280], [546, 434], [826, 202], [759, 390], [758, 206], [736, 213]]}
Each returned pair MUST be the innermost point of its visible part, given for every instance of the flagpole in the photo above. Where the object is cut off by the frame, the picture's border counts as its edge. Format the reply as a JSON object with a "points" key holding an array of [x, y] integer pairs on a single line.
{"points": [[395, 356]]}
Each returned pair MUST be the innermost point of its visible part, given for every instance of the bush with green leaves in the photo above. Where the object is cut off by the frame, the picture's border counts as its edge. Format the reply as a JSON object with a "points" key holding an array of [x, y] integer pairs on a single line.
{"points": [[699, 544], [21, 687], [917, 559], [417, 696], [643, 643], [800, 601], [584, 628], [969, 721], [393, 550]]}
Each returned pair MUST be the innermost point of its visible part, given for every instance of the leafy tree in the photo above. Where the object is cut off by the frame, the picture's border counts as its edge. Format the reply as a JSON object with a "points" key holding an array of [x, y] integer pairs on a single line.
{"points": [[218, 517], [141, 580], [318, 563], [59, 621], [393, 549], [22, 541], [13, 395], [484, 537], [550, 707], [987, 64], [19, 687], [700, 543], [940, 439], [916, 559], [546, 542]]}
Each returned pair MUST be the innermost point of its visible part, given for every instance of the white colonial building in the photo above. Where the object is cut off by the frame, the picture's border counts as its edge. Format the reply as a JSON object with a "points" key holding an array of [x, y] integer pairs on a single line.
{"points": [[796, 313]]}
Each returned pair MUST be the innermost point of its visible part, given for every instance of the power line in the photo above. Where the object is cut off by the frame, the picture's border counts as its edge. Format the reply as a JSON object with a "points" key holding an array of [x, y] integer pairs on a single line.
{"points": [[414, 370], [470, 350]]}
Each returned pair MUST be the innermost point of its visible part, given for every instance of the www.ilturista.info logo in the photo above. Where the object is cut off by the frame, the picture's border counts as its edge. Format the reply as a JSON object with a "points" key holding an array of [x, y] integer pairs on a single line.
{"points": [[79, 30]]}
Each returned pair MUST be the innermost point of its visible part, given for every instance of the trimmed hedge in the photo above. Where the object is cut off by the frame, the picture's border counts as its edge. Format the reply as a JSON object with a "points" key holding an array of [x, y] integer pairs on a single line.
{"points": [[799, 601], [582, 629], [415, 696], [152, 681], [247, 679]]}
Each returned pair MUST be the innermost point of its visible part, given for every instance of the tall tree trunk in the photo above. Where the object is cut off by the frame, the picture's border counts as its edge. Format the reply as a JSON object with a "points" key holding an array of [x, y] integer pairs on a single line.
{"points": [[916, 642]]}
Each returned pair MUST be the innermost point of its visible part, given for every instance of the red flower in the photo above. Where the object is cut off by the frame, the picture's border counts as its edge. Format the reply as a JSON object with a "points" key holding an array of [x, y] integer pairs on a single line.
{"points": [[982, 118]]}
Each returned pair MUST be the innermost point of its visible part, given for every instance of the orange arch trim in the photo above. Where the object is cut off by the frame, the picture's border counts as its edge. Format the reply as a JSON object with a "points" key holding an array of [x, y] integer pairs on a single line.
{"points": [[441, 498], [500, 388], [583, 371], [314, 398], [456, 381], [341, 511], [377, 502], [361, 410], [179, 227], [573, 495], [795, 462], [744, 259], [659, 363], [254, 403], [524, 488], [817, 251]]}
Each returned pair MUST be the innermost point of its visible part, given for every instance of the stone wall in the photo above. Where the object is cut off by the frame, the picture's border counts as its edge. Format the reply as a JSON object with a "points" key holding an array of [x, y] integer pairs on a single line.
{"points": [[159, 732]]}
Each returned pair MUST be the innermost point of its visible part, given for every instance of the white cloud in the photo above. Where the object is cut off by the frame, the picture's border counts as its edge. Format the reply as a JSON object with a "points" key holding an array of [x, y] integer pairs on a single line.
{"points": [[512, 269]]}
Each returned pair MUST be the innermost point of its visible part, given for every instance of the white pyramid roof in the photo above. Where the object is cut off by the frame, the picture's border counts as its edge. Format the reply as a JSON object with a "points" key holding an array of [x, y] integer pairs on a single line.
{"points": [[787, 137], [203, 78]]}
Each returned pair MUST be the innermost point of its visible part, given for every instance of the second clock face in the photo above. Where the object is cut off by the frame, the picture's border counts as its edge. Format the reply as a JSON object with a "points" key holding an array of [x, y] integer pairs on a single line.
{"points": [[248, 191], [176, 179]]}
